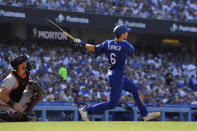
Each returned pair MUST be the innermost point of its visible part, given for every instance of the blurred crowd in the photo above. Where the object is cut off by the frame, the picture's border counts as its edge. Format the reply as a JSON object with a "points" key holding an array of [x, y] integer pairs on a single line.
{"points": [[177, 10], [163, 78]]}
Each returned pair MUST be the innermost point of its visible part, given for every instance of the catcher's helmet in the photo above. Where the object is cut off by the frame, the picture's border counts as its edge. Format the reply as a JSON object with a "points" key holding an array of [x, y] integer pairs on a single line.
{"points": [[16, 60]]}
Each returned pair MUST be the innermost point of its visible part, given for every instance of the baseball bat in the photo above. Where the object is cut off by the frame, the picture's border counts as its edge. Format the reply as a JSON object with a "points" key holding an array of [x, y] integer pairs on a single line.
{"points": [[56, 27]]}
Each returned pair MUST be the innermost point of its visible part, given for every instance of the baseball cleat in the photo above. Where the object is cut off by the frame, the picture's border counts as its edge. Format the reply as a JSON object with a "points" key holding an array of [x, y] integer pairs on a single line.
{"points": [[84, 114], [151, 116]]}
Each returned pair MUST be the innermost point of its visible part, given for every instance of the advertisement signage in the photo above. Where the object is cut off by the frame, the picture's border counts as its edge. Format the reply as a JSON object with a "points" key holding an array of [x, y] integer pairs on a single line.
{"points": [[35, 16], [45, 33]]}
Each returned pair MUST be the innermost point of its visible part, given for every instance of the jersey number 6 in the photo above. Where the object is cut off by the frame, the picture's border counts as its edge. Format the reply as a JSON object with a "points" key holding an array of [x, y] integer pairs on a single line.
{"points": [[112, 58]]}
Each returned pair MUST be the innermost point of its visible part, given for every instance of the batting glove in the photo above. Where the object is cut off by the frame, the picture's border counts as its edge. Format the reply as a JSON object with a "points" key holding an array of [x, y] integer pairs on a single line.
{"points": [[79, 42]]}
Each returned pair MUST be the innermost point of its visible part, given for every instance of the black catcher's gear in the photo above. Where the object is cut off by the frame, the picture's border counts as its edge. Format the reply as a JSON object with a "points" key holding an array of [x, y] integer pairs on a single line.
{"points": [[37, 94], [14, 117], [17, 93], [37, 89]]}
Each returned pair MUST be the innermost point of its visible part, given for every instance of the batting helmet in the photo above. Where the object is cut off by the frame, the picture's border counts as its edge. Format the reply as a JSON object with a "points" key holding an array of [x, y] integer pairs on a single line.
{"points": [[16, 60], [119, 30]]}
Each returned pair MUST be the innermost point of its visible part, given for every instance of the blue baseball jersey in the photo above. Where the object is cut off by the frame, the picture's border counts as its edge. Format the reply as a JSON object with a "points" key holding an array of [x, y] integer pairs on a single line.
{"points": [[116, 52]]}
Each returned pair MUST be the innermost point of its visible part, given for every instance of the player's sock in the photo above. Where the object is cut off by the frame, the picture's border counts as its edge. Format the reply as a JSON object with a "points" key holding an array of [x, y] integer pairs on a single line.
{"points": [[151, 116], [84, 114]]}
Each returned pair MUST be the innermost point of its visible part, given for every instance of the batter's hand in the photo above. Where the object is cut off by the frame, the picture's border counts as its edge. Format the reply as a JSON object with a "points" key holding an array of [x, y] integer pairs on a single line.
{"points": [[18, 108], [79, 42]]}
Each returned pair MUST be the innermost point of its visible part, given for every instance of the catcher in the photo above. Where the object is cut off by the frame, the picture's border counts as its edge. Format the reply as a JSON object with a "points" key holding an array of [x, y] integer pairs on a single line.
{"points": [[18, 94]]}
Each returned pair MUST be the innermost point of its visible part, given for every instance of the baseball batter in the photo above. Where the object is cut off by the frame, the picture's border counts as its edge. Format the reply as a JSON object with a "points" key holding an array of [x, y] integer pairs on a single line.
{"points": [[116, 51]]}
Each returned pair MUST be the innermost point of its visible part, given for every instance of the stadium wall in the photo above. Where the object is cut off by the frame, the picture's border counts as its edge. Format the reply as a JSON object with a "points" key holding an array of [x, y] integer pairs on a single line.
{"points": [[20, 30]]}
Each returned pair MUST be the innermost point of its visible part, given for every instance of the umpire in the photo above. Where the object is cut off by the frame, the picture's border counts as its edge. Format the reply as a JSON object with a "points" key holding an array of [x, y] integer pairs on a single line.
{"points": [[18, 94]]}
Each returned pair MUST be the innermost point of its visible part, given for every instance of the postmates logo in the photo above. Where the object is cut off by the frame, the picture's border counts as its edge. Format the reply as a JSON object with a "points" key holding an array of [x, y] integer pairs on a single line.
{"points": [[131, 24], [60, 18], [178, 27], [77, 20], [174, 28], [6, 13], [71, 19]]}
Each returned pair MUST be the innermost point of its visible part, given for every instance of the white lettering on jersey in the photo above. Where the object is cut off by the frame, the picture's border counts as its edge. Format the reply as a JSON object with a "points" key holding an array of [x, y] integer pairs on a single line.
{"points": [[114, 47]]}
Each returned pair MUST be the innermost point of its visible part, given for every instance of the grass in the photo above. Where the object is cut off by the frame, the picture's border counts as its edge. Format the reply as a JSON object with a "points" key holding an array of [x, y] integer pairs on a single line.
{"points": [[99, 126]]}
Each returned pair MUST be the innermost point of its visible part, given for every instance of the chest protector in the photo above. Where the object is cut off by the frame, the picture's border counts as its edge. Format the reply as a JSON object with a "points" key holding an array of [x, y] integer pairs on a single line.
{"points": [[17, 93]]}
